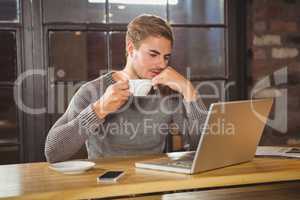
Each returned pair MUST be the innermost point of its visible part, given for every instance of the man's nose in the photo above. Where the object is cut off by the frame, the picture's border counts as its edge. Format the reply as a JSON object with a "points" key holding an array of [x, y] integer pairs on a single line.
{"points": [[162, 63]]}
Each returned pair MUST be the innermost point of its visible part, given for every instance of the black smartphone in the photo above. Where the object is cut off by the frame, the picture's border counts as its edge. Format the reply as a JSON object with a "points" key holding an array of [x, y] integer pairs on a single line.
{"points": [[110, 176]]}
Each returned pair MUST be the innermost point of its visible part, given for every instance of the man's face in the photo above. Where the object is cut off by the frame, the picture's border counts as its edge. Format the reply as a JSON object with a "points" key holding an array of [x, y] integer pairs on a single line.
{"points": [[151, 57]]}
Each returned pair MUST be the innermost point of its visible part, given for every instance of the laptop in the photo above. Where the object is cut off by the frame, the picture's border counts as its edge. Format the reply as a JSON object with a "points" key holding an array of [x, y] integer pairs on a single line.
{"points": [[231, 135]]}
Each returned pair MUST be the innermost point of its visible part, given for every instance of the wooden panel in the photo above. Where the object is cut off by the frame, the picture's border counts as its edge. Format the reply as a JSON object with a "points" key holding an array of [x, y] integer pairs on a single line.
{"points": [[282, 191]]}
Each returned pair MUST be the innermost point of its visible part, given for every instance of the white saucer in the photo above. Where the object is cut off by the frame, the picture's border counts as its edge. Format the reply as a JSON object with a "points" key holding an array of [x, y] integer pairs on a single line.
{"points": [[72, 167]]}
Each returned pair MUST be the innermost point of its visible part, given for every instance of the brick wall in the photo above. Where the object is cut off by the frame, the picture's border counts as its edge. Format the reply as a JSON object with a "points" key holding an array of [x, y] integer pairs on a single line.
{"points": [[274, 43]]}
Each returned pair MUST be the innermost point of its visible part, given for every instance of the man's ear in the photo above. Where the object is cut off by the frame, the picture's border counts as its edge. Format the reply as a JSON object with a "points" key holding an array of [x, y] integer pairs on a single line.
{"points": [[130, 48]]}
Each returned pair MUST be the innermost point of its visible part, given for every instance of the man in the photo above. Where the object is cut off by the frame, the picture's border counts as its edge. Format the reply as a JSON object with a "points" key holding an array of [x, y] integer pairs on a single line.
{"points": [[111, 122]]}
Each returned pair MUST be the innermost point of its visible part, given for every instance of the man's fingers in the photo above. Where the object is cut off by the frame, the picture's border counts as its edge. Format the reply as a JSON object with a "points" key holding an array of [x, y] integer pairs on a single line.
{"points": [[123, 85], [123, 93], [157, 80]]}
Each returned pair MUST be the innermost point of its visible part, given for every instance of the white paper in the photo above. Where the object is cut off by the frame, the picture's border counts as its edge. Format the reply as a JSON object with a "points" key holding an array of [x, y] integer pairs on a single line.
{"points": [[277, 151]]}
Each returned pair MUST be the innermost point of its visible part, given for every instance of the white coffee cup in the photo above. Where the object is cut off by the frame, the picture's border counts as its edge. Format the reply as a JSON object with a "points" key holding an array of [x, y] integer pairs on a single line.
{"points": [[140, 87]]}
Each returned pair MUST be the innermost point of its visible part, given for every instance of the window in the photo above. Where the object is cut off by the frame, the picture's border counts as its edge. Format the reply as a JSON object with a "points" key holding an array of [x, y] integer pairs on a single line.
{"points": [[9, 136], [118, 55], [77, 55], [8, 56], [201, 50], [9, 11], [74, 11], [211, 90], [8, 121], [197, 12], [124, 11]]}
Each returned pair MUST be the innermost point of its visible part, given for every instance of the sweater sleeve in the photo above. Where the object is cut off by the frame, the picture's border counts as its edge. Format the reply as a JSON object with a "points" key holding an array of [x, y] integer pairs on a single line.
{"points": [[190, 120], [70, 132]]}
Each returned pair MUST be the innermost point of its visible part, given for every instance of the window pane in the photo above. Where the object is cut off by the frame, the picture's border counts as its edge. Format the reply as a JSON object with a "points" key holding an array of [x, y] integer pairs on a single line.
{"points": [[9, 154], [76, 55], [123, 11], [196, 11], [8, 56], [118, 52], [59, 96], [202, 50], [8, 125], [9, 137], [9, 10], [79, 11], [96, 54], [211, 91], [62, 94]]}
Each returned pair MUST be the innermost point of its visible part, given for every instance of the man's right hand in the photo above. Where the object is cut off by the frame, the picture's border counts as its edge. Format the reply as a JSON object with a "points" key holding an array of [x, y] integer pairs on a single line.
{"points": [[114, 97]]}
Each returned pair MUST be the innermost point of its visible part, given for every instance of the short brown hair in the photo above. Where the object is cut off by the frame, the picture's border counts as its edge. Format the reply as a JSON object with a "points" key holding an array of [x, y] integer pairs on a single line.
{"points": [[146, 25]]}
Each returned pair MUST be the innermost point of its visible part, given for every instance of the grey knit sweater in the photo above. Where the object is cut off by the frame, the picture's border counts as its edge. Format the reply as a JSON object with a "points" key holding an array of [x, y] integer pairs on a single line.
{"points": [[139, 127]]}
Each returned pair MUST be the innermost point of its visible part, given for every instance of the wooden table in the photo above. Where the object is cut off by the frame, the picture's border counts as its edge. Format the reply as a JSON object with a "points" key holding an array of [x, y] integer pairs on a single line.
{"points": [[37, 181]]}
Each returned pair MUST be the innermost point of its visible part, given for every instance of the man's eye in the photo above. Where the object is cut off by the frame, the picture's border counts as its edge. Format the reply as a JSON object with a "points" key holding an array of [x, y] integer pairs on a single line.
{"points": [[152, 55]]}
